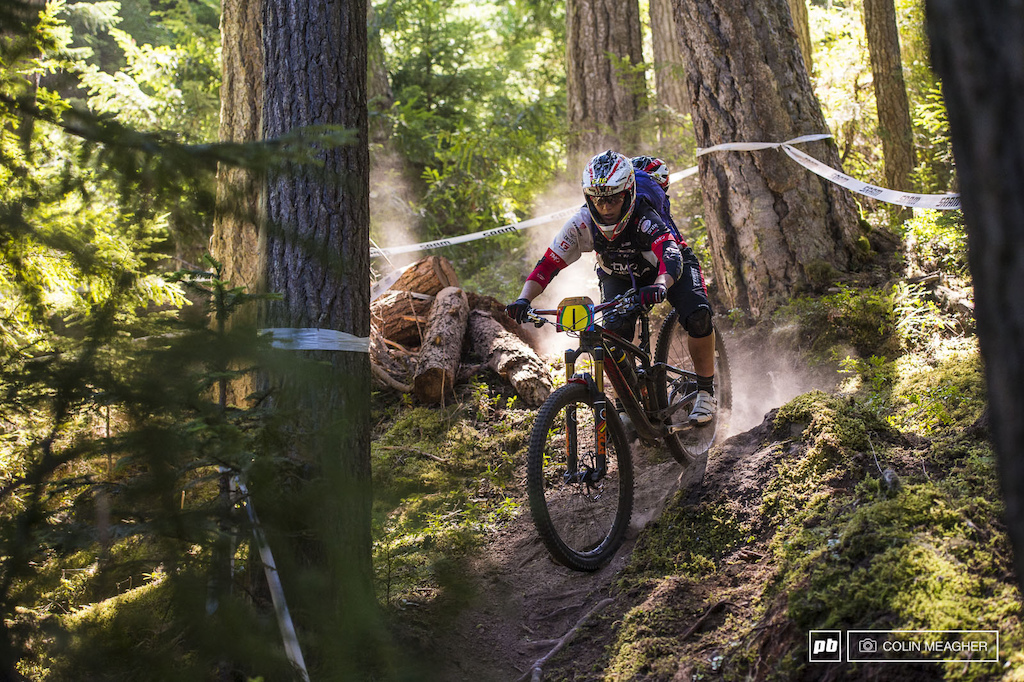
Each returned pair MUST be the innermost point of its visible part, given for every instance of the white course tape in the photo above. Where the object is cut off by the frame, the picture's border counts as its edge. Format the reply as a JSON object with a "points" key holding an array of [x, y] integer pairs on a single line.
{"points": [[942, 202], [316, 339], [563, 214]]}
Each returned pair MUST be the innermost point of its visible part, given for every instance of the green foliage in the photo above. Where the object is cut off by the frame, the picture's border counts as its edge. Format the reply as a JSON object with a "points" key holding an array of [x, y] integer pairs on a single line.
{"points": [[863, 318], [479, 108], [443, 479], [936, 241]]}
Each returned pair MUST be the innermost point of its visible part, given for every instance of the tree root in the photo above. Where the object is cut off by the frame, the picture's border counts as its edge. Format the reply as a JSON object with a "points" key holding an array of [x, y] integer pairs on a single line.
{"points": [[536, 672]]}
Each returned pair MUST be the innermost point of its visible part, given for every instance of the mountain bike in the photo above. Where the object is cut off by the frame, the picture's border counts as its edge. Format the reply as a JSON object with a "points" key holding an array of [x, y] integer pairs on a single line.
{"points": [[579, 465]]}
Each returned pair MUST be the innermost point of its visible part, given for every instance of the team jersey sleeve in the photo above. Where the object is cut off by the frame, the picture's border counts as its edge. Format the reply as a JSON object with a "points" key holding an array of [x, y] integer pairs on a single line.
{"points": [[566, 248]]}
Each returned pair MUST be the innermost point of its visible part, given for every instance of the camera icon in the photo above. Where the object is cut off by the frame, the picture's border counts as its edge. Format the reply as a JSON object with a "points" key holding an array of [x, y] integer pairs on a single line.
{"points": [[867, 646]]}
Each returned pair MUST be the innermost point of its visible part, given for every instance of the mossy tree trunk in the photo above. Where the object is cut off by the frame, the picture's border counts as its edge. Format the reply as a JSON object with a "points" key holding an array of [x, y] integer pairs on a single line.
{"points": [[773, 227], [977, 47]]}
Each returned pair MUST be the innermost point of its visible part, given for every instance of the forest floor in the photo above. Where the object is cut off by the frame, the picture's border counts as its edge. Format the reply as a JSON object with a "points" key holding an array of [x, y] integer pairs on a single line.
{"points": [[827, 507], [517, 604]]}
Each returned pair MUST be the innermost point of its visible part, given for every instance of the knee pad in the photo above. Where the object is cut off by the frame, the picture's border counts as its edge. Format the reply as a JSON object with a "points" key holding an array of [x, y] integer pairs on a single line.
{"points": [[698, 324]]}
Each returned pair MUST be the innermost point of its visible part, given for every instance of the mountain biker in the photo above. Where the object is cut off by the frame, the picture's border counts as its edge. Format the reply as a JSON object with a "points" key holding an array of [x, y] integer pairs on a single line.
{"points": [[628, 235], [652, 183]]}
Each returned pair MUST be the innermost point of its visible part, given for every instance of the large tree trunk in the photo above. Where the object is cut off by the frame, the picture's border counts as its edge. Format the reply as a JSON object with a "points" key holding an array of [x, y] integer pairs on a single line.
{"points": [[605, 94], [773, 227], [315, 241], [802, 26], [669, 74], [977, 47], [894, 124]]}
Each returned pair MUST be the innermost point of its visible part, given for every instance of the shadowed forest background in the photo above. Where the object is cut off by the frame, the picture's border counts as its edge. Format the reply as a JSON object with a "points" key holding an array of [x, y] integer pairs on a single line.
{"points": [[177, 175]]}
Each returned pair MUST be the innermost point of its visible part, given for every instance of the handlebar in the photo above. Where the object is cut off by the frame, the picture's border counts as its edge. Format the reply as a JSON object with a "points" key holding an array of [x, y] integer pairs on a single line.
{"points": [[623, 304]]}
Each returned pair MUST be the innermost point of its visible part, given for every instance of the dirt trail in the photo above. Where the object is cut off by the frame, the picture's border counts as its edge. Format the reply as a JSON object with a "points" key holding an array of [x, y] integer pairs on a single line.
{"points": [[523, 602]]}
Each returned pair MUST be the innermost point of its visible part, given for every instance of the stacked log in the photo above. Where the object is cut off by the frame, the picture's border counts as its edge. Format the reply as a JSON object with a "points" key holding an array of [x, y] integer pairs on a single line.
{"points": [[424, 327]]}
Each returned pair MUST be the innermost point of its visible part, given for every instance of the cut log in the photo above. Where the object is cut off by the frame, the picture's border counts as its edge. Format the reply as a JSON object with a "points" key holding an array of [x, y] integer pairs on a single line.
{"points": [[442, 346], [428, 276], [507, 355], [401, 316]]}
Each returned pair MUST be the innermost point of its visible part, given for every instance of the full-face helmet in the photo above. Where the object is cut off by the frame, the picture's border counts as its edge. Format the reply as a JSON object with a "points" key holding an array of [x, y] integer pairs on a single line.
{"points": [[607, 176], [654, 167]]}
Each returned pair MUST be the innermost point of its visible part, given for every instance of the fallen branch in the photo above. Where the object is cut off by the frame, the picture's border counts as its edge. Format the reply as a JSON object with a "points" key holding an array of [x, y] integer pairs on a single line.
{"points": [[536, 672], [700, 621], [383, 377]]}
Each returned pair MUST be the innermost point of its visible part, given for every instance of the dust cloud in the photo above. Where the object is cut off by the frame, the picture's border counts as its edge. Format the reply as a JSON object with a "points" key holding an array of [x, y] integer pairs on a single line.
{"points": [[393, 221], [767, 373]]}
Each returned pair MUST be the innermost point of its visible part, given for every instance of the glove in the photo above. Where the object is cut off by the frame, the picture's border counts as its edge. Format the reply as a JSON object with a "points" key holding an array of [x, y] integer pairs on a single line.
{"points": [[652, 294], [517, 310]]}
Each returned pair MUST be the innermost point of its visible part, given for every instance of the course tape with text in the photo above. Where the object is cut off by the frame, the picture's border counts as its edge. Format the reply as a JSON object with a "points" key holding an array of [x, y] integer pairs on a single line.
{"points": [[942, 202], [933, 201]]}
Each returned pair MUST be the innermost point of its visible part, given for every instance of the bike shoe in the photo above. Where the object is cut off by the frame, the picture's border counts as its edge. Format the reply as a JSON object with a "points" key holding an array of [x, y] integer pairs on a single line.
{"points": [[703, 408]]}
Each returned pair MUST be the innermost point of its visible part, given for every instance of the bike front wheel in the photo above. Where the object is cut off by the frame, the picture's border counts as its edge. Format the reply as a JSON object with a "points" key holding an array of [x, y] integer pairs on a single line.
{"points": [[581, 506], [672, 348]]}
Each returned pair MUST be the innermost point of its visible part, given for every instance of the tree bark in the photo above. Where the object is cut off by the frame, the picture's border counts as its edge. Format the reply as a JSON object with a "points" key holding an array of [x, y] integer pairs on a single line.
{"points": [[442, 346], [977, 50], [773, 227], [894, 125], [507, 355], [236, 220], [605, 95], [669, 74], [315, 254], [401, 316], [802, 27]]}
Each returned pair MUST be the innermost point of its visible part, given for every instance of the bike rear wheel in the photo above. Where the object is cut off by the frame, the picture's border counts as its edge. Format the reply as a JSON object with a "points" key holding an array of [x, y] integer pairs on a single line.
{"points": [[692, 441], [580, 513]]}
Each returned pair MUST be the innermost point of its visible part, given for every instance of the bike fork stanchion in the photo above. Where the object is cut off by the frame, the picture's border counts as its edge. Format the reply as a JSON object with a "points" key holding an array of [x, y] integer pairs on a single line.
{"points": [[600, 414], [571, 437]]}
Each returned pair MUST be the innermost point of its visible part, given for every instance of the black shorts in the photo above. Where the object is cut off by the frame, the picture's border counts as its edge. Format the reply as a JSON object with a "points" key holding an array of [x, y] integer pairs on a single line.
{"points": [[687, 295]]}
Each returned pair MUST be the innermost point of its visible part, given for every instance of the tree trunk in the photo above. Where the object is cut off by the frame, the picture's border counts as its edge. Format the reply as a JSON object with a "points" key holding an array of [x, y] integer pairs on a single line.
{"points": [[506, 354], [401, 316], [442, 346], [235, 227], [315, 241], [605, 93], [669, 74], [802, 26], [894, 124], [773, 227], [379, 96], [977, 48]]}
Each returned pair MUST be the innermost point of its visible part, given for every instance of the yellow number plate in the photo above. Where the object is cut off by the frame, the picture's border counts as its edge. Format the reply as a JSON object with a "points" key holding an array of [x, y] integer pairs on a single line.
{"points": [[576, 314]]}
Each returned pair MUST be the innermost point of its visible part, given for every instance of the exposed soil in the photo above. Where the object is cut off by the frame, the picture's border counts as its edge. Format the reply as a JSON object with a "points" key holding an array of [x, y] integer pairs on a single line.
{"points": [[520, 604]]}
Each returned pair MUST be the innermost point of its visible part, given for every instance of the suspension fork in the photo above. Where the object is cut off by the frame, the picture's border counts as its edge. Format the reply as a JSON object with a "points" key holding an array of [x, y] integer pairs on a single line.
{"points": [[595, 385]]}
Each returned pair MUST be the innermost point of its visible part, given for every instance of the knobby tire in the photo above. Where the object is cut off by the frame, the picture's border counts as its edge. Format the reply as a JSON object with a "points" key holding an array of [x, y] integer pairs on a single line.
{"points": [[581, 525], [671, 348]]}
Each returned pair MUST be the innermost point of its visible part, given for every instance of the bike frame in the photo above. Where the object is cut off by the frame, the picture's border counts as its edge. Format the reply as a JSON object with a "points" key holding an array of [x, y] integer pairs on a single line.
{"points": [[643, 402]]}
